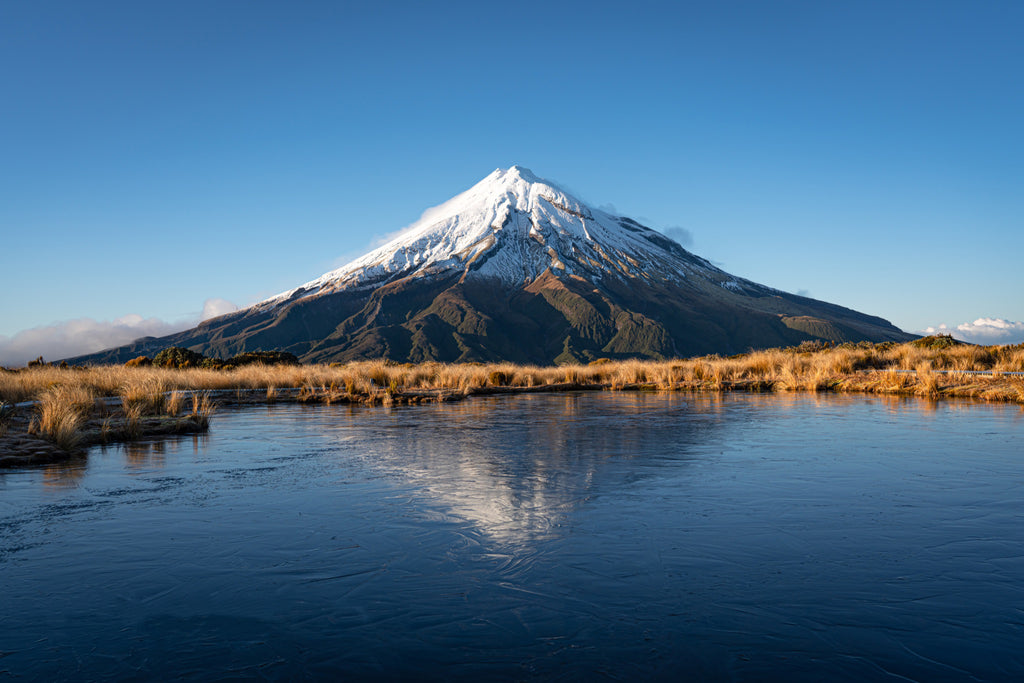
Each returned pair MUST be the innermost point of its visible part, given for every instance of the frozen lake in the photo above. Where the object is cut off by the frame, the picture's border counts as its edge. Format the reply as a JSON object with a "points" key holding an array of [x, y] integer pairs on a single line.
{"points": [[569, 536]]}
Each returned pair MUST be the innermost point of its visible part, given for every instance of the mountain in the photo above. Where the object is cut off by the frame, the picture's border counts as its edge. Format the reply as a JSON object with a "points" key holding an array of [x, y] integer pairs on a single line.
{"points": [[517, 269]]}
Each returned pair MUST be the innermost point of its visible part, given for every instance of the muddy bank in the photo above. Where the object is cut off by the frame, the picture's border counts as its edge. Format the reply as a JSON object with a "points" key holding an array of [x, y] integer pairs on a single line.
{"points": [[22, 445]]}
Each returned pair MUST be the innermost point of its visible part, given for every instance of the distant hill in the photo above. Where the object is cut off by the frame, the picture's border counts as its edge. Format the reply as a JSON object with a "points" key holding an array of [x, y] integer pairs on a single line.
{"points": [[517, 269]]}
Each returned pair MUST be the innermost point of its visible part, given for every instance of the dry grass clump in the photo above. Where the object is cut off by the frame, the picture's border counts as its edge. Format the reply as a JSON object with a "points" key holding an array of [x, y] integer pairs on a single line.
{"points": [[816, 379], [844, 361], [762, 364], [927, 380], [1009, 359], [785, 379], [909, 357], [29, 385], [696, 371], [173, 402], [146, 396], [892, 381], [61, 412], [202, 407], [1017, 387], [666, 376]]}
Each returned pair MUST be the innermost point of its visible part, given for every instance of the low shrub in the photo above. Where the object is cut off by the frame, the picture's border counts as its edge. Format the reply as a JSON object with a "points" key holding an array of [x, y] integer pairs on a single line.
{"points": [[936, 342], [810, 346], [264, 357], [178, 357], [499, 378]]}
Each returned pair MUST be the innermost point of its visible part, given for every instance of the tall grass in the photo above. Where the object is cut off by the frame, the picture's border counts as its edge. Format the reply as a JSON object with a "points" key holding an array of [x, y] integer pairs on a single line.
{"points": [[61, 411], [174, 401], [871, 368], [202, 407], [927, 380], [146, 394], [67, 398]]}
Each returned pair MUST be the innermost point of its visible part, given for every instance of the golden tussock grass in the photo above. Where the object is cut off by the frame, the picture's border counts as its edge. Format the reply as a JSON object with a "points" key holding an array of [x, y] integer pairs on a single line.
{"points": [[146, 395], [882, 368], [61, 410], [927, 380], [174, 401], [202, 407]]}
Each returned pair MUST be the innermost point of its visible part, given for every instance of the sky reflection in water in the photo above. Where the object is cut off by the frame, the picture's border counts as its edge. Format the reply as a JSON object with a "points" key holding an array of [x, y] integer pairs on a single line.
{"points": [[576, 535]]}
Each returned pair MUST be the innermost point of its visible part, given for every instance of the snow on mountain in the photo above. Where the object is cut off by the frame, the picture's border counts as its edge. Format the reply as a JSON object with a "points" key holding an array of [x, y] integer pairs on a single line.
{"points": [[511, 227], [516, 269]]}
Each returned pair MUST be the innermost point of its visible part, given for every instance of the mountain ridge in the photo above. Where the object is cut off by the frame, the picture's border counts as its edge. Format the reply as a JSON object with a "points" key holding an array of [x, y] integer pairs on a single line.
{"points": [[515, 268]]}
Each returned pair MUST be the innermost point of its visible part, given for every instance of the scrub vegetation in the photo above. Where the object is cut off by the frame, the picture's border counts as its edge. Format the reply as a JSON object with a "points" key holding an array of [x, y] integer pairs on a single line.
{"points": [[179, 392]]}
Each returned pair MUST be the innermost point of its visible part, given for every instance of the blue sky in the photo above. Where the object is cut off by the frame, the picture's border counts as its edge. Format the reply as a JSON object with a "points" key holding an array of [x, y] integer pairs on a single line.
{"points": [[159, 157]]}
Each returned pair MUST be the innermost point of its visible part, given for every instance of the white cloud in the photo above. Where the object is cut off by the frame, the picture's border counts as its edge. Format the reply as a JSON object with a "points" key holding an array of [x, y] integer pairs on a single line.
{"points": [[984, 331], [85, 335], [213, 308], [681, 235], [76, 337]]}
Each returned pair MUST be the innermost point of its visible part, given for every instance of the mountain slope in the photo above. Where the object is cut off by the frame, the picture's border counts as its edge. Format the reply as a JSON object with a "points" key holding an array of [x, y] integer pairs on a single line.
{"points": [[517, 269]]}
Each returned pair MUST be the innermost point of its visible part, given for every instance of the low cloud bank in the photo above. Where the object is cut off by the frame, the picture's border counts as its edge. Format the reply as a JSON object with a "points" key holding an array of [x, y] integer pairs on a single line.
{"points": [[85, 335], [986, 331]]}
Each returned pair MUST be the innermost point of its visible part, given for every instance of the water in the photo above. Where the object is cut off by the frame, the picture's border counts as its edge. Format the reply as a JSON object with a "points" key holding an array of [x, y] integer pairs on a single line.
{"points": [[567, 537]]}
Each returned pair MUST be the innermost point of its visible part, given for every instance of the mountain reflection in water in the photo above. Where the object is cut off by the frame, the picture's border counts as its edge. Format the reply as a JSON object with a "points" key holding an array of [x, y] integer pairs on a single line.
{"points": [[620, 535], [517, 479]]}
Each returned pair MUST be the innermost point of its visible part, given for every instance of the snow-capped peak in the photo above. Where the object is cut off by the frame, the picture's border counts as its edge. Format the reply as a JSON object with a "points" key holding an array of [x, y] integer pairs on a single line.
{"points": [[513, 226], [513, 174]]}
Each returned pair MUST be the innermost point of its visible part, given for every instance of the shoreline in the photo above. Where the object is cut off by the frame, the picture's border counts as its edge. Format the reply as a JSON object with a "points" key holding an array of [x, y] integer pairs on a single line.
{"points": [[50, 413], [108, 422]]}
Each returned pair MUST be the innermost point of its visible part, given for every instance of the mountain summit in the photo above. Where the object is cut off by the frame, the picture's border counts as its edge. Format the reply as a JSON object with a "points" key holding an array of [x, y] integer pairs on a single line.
{"points": [[513, 227], [517, 269]]}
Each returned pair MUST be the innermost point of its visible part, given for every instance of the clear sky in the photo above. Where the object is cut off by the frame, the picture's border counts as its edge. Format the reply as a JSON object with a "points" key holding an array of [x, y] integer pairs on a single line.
{"points": [[156, 158]]}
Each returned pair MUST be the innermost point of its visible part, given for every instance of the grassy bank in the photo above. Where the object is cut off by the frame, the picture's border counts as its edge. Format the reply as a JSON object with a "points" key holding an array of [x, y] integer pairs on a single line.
{"points": [[866, 367], [69, 401]]}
